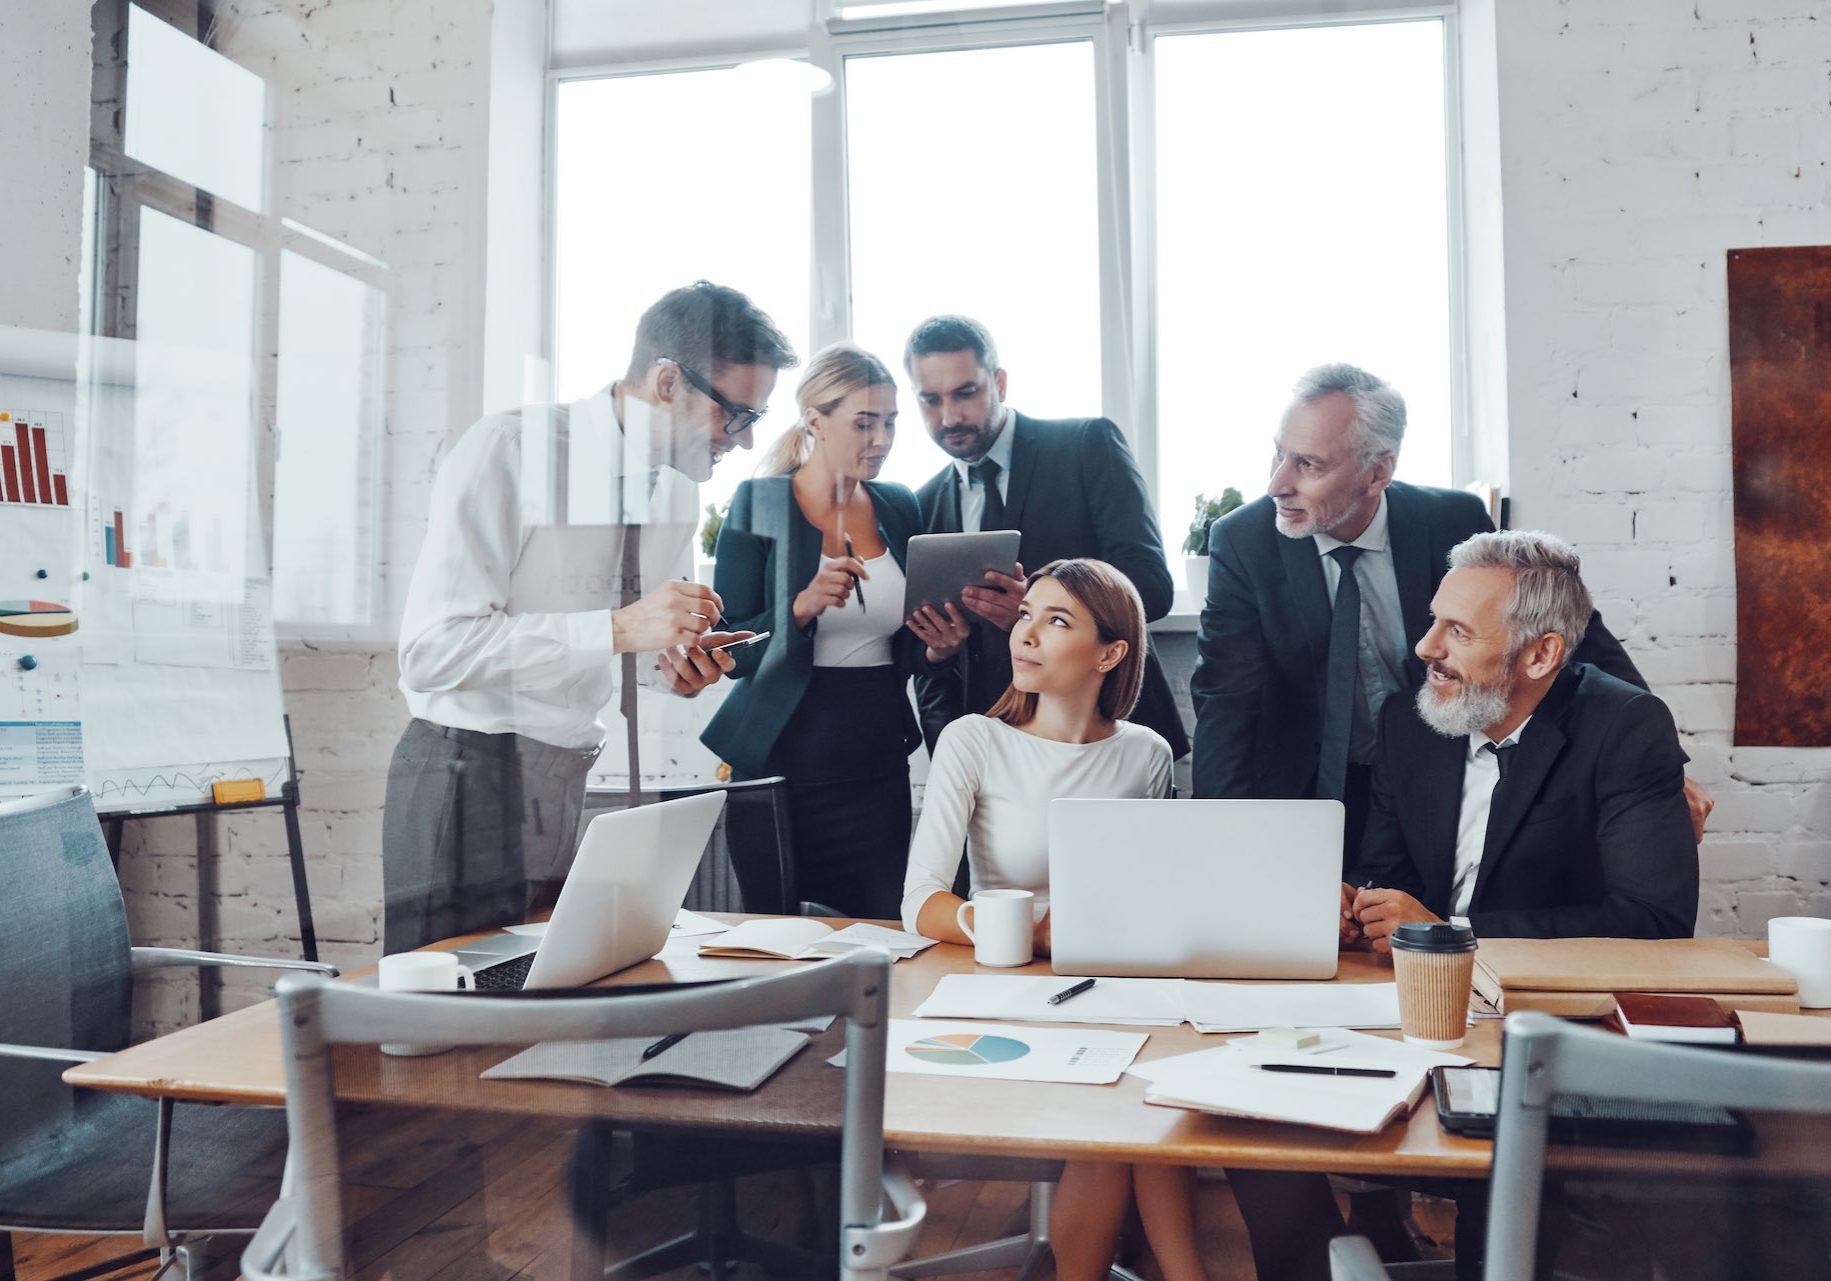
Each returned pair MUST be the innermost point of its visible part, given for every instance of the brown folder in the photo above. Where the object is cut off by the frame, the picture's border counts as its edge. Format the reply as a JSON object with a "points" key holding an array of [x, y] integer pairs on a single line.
{"points": [[1791, 1031], [1707, 966]]}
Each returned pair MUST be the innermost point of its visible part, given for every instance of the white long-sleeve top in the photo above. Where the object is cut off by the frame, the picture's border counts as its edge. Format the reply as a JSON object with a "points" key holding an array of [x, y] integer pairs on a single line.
{"points": [[989, 788], [507, 625]]}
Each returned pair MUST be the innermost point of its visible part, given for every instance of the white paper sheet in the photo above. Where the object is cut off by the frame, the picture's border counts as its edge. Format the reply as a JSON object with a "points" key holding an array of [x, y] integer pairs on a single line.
{"points": [[1249, 1007], [1025, 998], [1003, 1052]]}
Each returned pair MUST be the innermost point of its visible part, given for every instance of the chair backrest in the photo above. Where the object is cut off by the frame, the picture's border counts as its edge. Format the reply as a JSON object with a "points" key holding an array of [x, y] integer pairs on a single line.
{"points": [[66, 977], [758, 844], [315, 1014], [1547, 1058]]}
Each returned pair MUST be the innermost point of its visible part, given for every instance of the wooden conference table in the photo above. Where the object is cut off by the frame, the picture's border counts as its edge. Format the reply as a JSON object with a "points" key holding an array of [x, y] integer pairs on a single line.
{"points": [[236, 1059]]}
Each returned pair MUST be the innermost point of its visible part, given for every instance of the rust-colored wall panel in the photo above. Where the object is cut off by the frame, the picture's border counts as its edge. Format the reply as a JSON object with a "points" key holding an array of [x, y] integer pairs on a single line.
{"points": [[1780, 377]]}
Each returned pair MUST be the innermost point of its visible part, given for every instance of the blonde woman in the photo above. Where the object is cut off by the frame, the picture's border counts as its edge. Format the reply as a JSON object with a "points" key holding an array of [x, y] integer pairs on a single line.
{"points": [[812, 552], [1077, 664]]}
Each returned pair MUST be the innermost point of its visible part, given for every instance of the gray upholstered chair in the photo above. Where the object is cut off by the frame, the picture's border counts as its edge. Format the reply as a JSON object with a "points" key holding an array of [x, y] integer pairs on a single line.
{"points": [[303, 1235], [75, 1160], [1546, 1059]]}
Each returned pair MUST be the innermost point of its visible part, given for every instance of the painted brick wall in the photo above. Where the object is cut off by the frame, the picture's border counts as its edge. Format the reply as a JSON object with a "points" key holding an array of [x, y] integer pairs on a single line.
{"points": [[1640, 142]]}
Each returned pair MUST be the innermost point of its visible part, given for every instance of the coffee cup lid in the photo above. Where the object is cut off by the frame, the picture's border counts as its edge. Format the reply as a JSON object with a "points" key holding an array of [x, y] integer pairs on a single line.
{"points": [[1433, 936]]}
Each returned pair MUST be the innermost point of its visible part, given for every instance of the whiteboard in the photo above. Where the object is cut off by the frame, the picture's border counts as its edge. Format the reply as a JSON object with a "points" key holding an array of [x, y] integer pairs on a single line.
{"points": [[172, 673]]}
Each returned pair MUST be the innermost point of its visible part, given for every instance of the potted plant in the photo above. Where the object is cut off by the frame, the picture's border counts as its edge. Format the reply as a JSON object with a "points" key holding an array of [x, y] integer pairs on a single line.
{"points": [[1195, 545], [708, 539]]}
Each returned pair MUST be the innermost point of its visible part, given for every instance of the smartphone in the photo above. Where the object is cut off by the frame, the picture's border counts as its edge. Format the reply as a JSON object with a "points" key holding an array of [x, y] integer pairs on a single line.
{"points": [[739, 644]]}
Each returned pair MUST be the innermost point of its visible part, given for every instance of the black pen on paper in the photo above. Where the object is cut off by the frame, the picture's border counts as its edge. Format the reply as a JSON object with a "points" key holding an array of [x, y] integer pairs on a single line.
{"points": [[1069, 993]]}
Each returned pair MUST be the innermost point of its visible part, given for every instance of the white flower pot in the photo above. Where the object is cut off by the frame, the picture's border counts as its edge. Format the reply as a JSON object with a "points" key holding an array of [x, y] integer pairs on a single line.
{"points": [[1195, 575]]}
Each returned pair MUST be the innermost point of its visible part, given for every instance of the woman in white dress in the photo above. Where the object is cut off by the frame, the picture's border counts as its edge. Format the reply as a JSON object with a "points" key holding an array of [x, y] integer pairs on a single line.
{"points": [[1077, 662]]}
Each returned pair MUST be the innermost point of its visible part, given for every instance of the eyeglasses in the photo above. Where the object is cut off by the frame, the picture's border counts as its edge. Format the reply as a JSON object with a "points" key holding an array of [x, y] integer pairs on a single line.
{"points": [[738, 418]]}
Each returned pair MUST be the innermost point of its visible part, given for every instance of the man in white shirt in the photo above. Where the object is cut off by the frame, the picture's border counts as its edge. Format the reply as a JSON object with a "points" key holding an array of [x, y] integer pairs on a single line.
{"points": [[558, 548], [1519, 793]]}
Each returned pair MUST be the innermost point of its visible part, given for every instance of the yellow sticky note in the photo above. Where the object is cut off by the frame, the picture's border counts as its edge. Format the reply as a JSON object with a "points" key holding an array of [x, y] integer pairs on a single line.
{"points": [[231, 790]]}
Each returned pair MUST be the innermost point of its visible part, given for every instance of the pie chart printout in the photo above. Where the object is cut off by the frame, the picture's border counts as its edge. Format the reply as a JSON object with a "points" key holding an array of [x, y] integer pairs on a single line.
{"points": [[967, 1049]]}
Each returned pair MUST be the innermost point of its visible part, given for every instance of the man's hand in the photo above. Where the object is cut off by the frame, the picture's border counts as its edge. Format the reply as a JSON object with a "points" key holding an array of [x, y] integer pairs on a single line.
{"points": [[675, 613], [690, 668], [1039, 935], [998, 601], [1380, 912], [829, 589], [1701, 804], [1349, 927], [943, 633]]}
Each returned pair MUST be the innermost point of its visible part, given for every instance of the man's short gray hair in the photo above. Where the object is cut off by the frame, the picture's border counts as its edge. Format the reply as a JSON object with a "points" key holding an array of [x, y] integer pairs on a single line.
{"points": [[1548, 591], [1379, 411]]}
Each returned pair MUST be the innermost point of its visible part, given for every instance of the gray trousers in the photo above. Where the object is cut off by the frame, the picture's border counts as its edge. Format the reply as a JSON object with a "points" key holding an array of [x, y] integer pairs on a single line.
{"points": [[475, 823]]}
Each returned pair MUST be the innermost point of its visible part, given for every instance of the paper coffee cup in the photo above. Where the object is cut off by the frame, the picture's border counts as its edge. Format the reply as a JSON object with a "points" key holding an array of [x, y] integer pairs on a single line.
{"points": [[1434, 964], [420, 972]]}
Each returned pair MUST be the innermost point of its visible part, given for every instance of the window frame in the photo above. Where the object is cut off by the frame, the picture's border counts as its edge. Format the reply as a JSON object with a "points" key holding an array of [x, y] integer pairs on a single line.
{"points": [[1123, 34]]}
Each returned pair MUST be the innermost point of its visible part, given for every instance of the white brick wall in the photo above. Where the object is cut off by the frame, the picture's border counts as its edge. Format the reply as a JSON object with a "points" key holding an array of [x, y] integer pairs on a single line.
{"points": [[1640, 142]]}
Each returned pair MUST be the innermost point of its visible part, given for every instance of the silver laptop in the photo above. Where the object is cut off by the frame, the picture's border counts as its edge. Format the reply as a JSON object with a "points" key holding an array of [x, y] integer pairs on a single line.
{"points": [[1195, 889], [617, 905]]}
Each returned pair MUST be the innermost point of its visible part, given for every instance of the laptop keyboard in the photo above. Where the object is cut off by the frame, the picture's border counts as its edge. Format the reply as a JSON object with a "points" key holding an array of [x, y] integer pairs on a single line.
{"points": [[505, 976]]}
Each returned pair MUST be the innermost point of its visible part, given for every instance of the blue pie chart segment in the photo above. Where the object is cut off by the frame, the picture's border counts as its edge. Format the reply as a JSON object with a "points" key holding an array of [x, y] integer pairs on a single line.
{"points": [[967, 1049]]}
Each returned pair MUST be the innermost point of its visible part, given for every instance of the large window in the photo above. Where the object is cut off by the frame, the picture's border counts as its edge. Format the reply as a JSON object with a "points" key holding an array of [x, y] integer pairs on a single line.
{"points": [[1300, 215], [1168, 225]]}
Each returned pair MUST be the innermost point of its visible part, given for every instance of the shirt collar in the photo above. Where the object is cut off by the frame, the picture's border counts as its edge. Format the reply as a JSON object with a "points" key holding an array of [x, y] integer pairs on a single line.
{"points": [[1000, 452], [1479, 739], [1372, 539]]}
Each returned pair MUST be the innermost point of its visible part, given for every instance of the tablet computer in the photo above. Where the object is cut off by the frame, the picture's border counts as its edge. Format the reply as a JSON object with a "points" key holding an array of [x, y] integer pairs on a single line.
{"points": [[939, 565], [1468, 1099]]}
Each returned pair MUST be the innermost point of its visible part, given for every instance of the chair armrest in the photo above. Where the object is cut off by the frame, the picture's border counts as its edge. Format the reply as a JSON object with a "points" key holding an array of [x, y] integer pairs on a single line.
{"points": [[1355, 1259], [153, 958], [48, 1054], [871, 1251]]}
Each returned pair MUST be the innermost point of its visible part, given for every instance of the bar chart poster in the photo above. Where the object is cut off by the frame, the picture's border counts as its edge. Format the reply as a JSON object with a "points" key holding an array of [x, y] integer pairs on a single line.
{"points": [[34, 459]]}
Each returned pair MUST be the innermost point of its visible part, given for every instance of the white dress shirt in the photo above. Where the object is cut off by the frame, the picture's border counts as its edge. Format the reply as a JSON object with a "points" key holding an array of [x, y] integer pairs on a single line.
{"points": [[1480, 775], [851, 635], [507, 625], [972, 497], [989, 789], [1382, 630]]}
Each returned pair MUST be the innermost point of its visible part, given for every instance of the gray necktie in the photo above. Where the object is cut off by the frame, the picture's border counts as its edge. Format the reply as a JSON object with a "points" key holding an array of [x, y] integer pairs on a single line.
{"points": [[1341, 682], [629, 591]]}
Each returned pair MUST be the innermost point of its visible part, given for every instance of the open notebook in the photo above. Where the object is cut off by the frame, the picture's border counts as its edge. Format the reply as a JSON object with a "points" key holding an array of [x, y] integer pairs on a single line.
{"points": [[732, 1059]]}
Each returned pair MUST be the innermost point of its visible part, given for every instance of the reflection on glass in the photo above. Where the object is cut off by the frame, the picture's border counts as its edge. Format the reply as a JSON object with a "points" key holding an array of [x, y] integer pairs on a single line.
{"points": [[725, 199], [1300, 219], [184, 491], [193, 113], [973, 189], [327, 405]]}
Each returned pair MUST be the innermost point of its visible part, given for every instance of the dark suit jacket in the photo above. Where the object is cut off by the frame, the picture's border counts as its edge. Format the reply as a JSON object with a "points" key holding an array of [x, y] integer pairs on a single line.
{"points": [[768, 552], [1074, 490], [1264, 643], [1589, 835]]}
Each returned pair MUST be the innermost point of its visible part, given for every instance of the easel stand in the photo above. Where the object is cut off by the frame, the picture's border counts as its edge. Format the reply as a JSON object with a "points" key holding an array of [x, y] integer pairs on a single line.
{"points": [[208, 980]]}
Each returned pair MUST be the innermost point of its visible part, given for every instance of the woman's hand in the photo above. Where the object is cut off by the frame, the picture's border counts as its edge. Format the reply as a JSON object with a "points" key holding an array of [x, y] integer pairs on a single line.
{"points": [[943, 633], [1039, 935], [829, 589]]}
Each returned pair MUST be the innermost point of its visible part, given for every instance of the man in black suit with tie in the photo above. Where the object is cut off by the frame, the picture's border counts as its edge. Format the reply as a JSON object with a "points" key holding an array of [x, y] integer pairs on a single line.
{"points": [[1070, 486], [1520, 792], [1317, 594]]}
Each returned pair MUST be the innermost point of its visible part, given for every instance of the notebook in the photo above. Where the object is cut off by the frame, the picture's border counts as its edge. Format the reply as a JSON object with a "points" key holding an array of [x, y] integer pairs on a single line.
{"points": [[1788, 1031], [1693, 1020], [795, 938], [738, 1059]]}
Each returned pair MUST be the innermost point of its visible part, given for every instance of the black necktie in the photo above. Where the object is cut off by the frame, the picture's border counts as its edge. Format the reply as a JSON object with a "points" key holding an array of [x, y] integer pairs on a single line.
{"points": [[985, 475], [1341, 684], [1500, 752]]}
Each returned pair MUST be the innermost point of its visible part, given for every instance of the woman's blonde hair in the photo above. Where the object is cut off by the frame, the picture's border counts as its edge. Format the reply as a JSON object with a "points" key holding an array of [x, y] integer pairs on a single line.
{"points": [[1117, 613], [834, 373]]}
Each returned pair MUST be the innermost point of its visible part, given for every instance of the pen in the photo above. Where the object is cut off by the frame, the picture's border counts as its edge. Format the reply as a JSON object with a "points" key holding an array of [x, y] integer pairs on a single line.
{"points": [[1069, 993], [675, 1038], [857, 587], [1317, 1069]]}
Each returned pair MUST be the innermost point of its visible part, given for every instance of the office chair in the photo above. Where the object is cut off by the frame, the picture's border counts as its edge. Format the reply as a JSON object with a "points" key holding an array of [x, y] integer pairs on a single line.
{"points": [[302, 1237], [1546, 1058], [75, 1160], [759, 852]]}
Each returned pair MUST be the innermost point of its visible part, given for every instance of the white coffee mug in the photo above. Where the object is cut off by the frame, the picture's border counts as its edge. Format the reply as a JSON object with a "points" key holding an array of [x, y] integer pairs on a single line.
{"points": [[421, 972], [1003, 926], [1801, 945]]}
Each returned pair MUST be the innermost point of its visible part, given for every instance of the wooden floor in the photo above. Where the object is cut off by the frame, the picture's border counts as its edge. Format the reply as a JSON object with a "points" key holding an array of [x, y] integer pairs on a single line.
{"points": [[489, 1204]]}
